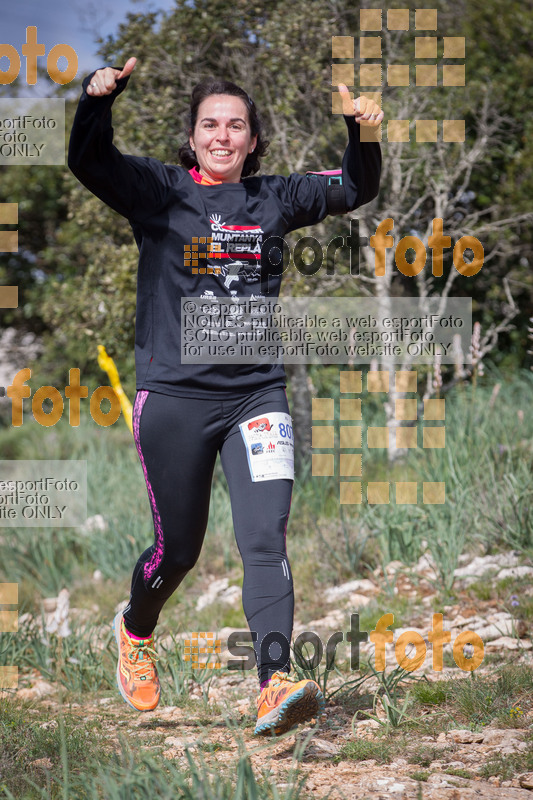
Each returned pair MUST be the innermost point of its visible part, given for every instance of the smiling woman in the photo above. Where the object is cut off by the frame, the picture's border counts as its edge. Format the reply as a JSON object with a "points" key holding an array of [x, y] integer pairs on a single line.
{"points": [[225, 134], [186, 413]]}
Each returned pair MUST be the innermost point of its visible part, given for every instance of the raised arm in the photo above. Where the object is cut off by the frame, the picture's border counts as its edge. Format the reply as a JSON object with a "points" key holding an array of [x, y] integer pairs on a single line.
{"points": [[306, 197], [135, 187], [361, 165]]}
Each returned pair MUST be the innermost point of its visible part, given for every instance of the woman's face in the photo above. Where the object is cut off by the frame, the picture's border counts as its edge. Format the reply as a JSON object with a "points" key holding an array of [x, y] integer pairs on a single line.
{"points": [[222, 138]]}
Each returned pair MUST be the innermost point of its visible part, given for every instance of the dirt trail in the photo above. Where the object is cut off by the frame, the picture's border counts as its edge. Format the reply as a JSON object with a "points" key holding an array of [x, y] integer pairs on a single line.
{"points": [[171, 730]]}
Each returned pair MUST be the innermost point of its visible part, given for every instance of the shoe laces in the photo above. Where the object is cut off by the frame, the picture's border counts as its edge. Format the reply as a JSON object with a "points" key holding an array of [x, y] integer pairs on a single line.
{"points": [[274, 682], [277, 677], [143, 657]]}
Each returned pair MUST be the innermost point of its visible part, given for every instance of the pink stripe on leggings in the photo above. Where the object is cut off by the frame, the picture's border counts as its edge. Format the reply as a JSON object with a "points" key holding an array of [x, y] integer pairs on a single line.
{"points": [[150, 567]]}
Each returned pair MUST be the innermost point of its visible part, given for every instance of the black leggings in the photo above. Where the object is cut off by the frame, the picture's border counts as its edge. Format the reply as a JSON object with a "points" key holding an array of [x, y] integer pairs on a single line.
{"points": [[178, 439]]}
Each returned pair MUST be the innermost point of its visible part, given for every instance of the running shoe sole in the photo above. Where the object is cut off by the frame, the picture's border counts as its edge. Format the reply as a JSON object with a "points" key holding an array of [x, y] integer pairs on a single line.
{"points": [[303, 705]]}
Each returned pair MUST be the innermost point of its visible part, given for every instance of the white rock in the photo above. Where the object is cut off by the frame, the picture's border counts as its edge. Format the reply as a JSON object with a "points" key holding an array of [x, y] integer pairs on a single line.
{"points": [[509, 749], [481, 565], [462, 736], [394, 566], [321, 748], [47, 725], [358, 600], [335, 619], [95, 523], [508, 643], [515, 572], [497, 736], [426, 563], [38, 690], [362, 585], [175, 741], [58, 623], [526, 780], [491, 632], [219, 591]]}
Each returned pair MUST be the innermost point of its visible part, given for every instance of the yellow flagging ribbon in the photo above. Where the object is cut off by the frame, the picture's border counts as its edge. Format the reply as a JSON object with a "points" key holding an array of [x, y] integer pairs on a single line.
{"points": [[106, 363]]}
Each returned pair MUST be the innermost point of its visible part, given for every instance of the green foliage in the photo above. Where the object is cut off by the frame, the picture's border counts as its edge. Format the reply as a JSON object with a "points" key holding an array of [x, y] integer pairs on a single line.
{"points": [[509, 766], [87, 771], [395, 702], [27, 735], [303, 661], [345, 541], [84, 661], [77, 267], [459, 773], [420, 775], [430, 693], [479, 700], [381, 750]]}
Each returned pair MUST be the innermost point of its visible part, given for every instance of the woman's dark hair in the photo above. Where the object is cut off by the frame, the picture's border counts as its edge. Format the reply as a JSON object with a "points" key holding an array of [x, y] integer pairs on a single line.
{"points": [[213, 86]]}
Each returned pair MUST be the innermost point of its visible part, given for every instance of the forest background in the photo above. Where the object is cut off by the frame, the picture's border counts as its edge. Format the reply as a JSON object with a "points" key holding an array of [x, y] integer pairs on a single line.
{"points": [[76, 264]]}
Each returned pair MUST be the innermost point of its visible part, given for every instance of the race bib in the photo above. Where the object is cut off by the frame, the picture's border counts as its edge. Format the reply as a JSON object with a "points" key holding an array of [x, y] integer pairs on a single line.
{"points": [[269, 446]]}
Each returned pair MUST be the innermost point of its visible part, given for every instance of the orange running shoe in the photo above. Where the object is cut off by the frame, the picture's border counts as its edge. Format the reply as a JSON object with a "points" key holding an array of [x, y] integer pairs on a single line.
{"points": [[137, 679], [285, 702]]}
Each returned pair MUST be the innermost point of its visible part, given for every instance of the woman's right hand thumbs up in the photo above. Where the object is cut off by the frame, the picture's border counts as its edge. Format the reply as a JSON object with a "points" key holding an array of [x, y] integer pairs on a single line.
{"points": [[104, 81]]}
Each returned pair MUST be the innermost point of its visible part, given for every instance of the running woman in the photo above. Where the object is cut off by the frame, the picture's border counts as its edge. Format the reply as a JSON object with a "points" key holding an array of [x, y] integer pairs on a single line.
{"points": [[185, 414]]}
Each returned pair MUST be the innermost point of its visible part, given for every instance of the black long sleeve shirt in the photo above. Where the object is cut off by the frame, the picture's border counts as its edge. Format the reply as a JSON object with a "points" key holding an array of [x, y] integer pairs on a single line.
{"points": [[168, 210]]}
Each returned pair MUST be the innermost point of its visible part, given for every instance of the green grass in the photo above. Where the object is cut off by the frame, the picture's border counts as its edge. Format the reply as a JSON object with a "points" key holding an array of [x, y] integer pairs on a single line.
{"points": [[420, 775], [424, 755], [430, 693], [327, 545], [381, 750], [459, 773], [503, 695], [28, 734], [81, 764], [479, 700], [509, 766]]}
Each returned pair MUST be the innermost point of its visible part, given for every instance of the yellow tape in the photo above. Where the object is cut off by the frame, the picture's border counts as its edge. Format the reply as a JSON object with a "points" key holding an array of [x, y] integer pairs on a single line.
{"points": [[106, 363]]}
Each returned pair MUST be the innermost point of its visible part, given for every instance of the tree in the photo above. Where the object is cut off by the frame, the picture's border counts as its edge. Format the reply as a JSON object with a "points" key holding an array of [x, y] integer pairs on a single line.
{"points": [[85, 251]]}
